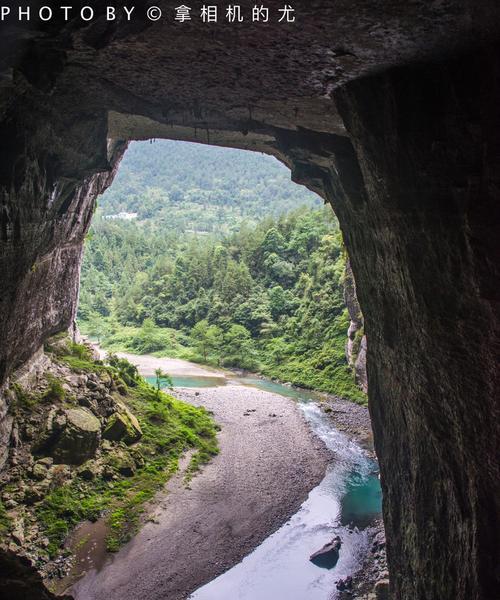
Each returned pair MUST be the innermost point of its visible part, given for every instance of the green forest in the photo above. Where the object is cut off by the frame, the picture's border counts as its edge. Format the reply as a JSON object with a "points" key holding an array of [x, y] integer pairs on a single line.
{"points": [[191, 187], [262, 290]]}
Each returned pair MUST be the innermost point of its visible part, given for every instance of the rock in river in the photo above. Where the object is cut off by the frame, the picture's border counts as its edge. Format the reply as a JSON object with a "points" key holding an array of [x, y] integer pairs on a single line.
{"points": [[382, 589], [328, 556]]}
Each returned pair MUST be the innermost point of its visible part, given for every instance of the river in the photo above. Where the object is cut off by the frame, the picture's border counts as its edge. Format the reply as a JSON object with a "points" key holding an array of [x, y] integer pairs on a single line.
{"points": [[345, 503]]}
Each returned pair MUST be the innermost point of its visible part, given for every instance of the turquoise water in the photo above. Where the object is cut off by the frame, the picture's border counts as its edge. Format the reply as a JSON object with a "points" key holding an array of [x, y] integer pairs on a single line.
{"points": [[362, 500], [197, 381], [362, 497], [278, 388], [345, 503], [190, 381]]}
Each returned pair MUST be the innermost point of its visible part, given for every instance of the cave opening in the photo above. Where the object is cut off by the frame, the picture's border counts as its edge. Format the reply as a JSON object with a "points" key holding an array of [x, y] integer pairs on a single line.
{"points": [[232, 203]]}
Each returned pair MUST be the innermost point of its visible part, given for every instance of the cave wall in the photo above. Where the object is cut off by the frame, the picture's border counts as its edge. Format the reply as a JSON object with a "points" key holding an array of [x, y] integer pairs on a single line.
{"points": [[425, 249], [389, 112], [356, 338]]}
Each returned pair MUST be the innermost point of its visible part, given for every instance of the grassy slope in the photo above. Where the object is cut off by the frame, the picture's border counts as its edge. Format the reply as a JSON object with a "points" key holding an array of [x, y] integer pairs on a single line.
{"points": [[170, 427]]}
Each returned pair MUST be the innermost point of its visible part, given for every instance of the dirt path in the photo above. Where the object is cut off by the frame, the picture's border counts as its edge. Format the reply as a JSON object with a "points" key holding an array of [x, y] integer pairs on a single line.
{"points": [[268, 462]]}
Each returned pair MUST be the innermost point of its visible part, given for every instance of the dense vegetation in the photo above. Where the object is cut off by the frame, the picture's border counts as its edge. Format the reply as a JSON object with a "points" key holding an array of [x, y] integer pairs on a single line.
{"points": [[265, 296]]}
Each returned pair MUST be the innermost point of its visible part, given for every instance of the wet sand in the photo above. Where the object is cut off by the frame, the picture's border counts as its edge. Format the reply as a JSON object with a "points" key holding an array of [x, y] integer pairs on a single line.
{"points": [[269, 460]]}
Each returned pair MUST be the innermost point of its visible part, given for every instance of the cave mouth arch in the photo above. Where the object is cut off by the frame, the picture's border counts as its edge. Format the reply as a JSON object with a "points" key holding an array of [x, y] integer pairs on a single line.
{"points": [[397, 128]]}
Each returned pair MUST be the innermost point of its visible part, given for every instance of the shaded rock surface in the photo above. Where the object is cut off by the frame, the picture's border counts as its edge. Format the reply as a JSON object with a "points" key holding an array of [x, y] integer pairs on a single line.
{"points": [[59, 444], [356, 338], [390, 112], [20, 580], [77, 436], [327, 556], [382, 589]]}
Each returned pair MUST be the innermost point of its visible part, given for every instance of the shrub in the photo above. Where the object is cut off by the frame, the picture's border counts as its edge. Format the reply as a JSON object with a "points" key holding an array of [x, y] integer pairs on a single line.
{"points": [[126, 370], [24, 399], [55, 391]]}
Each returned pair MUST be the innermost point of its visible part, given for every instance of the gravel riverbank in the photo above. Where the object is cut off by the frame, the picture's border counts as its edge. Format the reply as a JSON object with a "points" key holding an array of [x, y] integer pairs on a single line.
{"points": [[348, 417], [269, 461], [351, 418]]}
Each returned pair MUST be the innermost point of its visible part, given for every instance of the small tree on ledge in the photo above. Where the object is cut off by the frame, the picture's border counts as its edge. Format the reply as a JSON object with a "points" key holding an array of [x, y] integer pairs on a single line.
{"points": [[163, 380]]}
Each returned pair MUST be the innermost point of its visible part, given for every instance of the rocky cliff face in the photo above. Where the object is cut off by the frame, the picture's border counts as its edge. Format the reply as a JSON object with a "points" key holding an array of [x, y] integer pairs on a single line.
{"points": [[356, 338], [389, 111], [432, 372], [20, 579]]}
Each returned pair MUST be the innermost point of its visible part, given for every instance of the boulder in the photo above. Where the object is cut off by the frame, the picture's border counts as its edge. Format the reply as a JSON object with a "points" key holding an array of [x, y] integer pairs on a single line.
{"points": [[39, 471], [123, 426], [19, 578], [344, 584], [17, 532], [87, 402], [382, 589], [36, 492], [121, 460], [90, 470], [78, 438], [107, 406], [58, 475], [328, 556]]}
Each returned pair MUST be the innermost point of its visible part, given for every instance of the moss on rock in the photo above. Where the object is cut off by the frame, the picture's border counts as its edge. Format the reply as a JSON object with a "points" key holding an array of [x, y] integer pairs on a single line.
{"points": [[123, 426]]}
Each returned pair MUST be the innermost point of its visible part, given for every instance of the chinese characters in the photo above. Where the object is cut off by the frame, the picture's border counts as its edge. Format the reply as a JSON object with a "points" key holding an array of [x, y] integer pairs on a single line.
{"points": [[234, 13]]}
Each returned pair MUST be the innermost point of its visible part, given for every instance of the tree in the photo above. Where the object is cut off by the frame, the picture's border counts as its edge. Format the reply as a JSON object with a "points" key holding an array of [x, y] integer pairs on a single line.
{"points": [[207, 338], [234, 283], [199, 337], [239, 349], [98, 327], [274, 242], [163, 380], [215, 341], [254, 314], [281, 302], [148, 338]]}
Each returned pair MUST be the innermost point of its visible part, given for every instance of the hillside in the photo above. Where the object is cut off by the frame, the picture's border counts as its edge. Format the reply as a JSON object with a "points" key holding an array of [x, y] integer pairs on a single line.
{"points": [[185, 186]]}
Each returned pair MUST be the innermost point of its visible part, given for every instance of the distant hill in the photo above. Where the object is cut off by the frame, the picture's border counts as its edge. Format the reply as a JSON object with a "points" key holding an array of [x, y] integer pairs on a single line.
{"points": [[186, 186]]}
